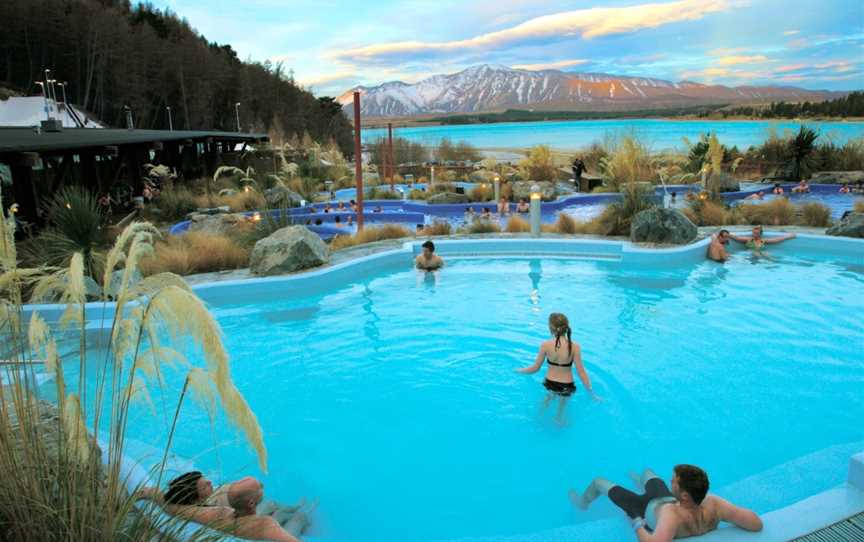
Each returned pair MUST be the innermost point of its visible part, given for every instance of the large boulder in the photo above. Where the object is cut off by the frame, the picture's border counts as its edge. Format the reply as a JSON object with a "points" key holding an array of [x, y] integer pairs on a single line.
{"points": [[215, 224], [282, 197], [448, 197], [852, 225], [522, 189], [288, 250], [841, 177], [663, 226]]}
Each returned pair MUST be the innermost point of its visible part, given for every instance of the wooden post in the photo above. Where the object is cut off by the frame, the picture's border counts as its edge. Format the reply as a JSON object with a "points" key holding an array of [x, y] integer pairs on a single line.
{"points": [[391, 165], [358, 162]]}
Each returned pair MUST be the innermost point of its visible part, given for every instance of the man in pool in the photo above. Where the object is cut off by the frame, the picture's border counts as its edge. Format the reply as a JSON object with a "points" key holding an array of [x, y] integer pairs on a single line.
{"points": [[232, 508], [717, 247], [686, 510], [428, 260]]}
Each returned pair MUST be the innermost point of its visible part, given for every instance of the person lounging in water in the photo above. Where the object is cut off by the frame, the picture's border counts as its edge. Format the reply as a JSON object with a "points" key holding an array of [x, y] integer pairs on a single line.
{"points": [[756, 243], [562, 354], [234, 508], [687, 510]]}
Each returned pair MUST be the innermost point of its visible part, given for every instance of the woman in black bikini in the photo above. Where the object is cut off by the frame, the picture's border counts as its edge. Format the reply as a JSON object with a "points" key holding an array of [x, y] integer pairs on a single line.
{"points": [[561, 353]]}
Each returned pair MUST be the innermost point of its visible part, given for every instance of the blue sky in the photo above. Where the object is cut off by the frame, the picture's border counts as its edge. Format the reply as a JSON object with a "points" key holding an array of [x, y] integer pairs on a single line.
{"points": [[333, 45]]}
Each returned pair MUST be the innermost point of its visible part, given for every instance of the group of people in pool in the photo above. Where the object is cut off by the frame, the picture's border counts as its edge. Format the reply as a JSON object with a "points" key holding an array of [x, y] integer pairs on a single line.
{"points": [[755, 242]]}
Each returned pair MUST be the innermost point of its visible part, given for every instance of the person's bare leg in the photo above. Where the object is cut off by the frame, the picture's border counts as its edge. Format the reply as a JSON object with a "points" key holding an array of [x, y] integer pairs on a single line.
{"points": [[562, 406], [547, 400], [600, 486], [641, 479]]}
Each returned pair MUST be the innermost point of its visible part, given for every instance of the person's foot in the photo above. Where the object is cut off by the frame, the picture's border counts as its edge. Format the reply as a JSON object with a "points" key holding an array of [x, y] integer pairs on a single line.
{"points": [[577, 500]]}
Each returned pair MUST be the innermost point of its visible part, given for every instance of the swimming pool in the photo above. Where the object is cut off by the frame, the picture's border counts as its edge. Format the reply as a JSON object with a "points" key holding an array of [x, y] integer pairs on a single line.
{"points": [[392, 397]]}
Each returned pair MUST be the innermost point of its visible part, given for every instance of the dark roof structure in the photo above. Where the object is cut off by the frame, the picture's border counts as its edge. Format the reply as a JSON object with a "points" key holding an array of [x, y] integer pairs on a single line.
{"points": [[14, 140]]}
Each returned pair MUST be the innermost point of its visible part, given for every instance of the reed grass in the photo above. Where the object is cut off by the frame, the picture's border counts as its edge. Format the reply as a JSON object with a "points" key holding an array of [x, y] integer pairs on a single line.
{"points": [[858, 206], [815, 214], [566, 224], [195, 252], [54, 484], [369, 235], [776, 212], [483, 226], [517, 224], [437, 228], [481, 192]]}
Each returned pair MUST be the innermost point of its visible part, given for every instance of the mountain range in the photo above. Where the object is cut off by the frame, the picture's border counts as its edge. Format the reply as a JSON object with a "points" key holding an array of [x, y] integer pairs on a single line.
{"points": [[489, 88]]}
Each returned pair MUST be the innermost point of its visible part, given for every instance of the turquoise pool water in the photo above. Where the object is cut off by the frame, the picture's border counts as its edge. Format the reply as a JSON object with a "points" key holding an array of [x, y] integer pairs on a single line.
{"points": [[660, 134], [393, 399]]}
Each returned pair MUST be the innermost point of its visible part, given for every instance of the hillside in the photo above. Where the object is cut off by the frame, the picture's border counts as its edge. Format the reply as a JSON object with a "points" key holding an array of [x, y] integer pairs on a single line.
{"points": [[495, 88], [112, 55]]}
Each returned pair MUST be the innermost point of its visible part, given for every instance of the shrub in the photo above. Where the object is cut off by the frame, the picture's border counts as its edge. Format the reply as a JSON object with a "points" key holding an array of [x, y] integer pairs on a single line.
{"points": [[691, 214], [483, 226], [777, 212], [382, 193], [370, 235], [439, 187], [628, 162], [517, 224], [245, 200], [815, 214], [539, 165], [616, 218], [858, 207], [437, 228], [708, 213], [482, 192], [418, 194], [195, 252], [176, 202], [566, 224]]}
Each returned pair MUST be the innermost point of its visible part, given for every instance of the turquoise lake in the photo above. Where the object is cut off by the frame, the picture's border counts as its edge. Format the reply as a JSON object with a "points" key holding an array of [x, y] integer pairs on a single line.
{"points": [[660, 134]]}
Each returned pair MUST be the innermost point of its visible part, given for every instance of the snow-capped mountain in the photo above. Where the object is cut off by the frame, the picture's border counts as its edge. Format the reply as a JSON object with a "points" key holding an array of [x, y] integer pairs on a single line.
{"points": [[494, 88]]}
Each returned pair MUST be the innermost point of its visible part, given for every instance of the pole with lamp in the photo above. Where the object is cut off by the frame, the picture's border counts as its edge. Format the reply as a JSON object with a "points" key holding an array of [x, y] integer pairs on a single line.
{"points": [[170, 120], [496, 182], [237, 114], [535, 210], [358, 161], [45, 97]]}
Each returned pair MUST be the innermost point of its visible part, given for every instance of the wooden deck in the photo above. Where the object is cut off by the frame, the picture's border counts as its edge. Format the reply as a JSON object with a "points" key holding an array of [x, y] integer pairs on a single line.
{"points": [[848, 530]]}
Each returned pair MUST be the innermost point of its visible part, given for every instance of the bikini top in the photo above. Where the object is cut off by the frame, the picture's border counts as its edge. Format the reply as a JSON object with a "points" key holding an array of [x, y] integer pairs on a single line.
{"points": [[550, 362]]}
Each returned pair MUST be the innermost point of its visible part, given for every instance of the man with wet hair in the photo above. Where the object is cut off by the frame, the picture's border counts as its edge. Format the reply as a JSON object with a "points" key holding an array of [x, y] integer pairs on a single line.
{"points": [[428, 260], [717, 247], [686, 510]]}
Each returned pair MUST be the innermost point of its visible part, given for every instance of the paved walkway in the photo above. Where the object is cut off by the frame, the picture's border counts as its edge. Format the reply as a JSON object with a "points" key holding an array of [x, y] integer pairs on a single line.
{"points": [[848, 530]]}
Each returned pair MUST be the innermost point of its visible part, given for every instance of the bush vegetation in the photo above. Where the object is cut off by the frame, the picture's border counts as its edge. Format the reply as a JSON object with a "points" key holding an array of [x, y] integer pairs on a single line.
{"points": [[481, 226], [539, 165], [815, 214], [195, 252], [628, 162], [481, 192], [517, 224], [437, 228], [369, 235], [447, 151]]}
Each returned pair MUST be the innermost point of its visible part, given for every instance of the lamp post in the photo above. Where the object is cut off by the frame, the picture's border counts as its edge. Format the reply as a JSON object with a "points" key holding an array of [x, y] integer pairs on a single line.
{"points": [[45, 97], [237, 114], [63, 88], [128, 110], [497, 184], [48, 82], [535, 210], [170, 120]]}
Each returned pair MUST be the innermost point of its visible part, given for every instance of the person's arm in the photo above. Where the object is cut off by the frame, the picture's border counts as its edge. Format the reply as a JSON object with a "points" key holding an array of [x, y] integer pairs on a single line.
{"points": [[775, 240], [223, 518], [667, 526], [261, 528], [739, 239], [538, 362], [580, 368], [150, 494], [738, 516]]}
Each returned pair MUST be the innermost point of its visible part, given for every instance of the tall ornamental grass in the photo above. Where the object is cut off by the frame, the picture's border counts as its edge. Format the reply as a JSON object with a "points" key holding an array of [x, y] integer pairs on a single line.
{"points": [[55, 485]]}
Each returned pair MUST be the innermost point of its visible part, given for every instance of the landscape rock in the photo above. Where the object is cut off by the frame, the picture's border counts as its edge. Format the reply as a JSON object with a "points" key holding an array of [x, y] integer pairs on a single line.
{"points": [[852, 225], [448, 197], [663, 226], [210, 211], [287, 250], [522, 189], [215, 224], [841, 177], [280, 197]]}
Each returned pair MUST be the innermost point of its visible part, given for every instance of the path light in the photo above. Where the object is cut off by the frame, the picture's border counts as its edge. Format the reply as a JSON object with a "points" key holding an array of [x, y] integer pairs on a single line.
{"points": [[497, 184], [256, 217], [14, 208], [246, 188], [68, 205], [535, 210], [237, 114]]}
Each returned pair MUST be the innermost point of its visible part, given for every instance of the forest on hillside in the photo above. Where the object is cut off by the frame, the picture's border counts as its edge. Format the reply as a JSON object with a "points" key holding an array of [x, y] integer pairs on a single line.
{"points": [[113, 54]]}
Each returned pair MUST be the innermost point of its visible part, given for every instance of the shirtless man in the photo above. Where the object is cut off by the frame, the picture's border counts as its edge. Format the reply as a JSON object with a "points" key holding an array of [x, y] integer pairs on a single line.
{"points": [[428, 260], [717, 248], [232, 508], [685, 511]]}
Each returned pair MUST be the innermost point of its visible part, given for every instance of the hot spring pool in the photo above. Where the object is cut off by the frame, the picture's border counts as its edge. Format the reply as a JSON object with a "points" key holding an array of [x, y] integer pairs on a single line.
{"points": [[393, 399]]}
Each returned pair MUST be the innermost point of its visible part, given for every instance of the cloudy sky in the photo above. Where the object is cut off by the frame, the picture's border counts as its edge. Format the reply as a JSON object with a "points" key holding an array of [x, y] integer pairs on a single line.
{"points": [[334, 44]]}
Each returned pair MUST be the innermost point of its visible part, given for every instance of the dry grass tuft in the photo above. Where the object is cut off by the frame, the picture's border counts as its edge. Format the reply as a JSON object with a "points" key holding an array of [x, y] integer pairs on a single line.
{"points": [[195, 252], [483, 226], [859, 205], [243, 200], [774, 213], [566, 224], [437, 228], [712, 214], [517, 224], [816, 215], [481, 192], [369, 235]]}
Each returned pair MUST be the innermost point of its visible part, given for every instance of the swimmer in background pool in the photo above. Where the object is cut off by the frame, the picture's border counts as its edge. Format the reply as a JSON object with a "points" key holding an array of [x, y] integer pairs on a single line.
{"points": [[687, 510], [756, 242], [562, 354]]}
